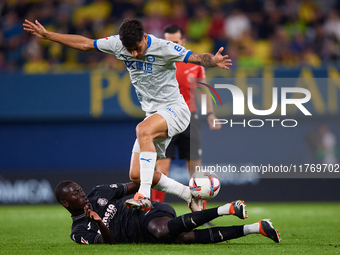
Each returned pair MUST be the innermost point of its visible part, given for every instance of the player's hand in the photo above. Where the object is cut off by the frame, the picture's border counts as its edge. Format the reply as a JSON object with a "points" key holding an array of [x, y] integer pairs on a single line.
{"points": [[35, 29], [210, 120], [222, 61], [91, 215]]}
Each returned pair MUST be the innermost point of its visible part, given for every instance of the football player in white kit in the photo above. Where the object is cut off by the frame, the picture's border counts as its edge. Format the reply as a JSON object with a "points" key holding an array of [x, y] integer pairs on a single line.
{"points": [[151, 64]]}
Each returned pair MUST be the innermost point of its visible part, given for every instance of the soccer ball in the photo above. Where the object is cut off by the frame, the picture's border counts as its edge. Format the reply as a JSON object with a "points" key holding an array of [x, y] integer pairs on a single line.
{"points": [[204, 185]]}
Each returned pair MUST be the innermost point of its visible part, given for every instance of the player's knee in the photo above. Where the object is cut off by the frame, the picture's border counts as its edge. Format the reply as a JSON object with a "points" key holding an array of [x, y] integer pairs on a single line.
{"points": [[142, 131], [160, 231]]}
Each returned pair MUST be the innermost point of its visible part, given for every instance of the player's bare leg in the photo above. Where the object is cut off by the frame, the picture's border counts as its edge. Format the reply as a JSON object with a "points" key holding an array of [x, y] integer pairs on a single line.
{"points": [[143, 169], [160, 181], [135, 170], [191, 165], [170, 186], [152, 127], [162, 166]]}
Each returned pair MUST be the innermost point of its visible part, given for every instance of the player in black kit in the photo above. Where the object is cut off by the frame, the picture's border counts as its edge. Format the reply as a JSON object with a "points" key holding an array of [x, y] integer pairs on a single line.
{"points": [[102, 217]]}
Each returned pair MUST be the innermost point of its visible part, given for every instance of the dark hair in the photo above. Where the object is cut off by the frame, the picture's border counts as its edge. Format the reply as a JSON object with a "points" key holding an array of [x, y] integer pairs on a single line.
{"points": [[131, 32], [172, 29], [58, 192]]}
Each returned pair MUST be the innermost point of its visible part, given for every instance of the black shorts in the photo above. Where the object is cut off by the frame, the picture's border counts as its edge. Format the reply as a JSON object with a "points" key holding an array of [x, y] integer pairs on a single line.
{"points": [[188, 143], [158, 210]]}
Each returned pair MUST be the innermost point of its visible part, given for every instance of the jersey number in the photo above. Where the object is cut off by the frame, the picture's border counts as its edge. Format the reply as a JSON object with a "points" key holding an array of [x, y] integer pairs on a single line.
{"points": [[178, 48]]}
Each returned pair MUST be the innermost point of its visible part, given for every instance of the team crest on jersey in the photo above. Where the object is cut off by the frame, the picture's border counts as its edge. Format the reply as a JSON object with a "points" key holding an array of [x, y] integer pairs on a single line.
{"points": [[113, 186], [102, 201], [150, 58]]}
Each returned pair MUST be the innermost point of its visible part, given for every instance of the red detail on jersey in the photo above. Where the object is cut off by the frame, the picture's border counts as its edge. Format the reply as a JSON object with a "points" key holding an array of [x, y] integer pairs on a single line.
{"points": [[84, 241], [183, 74], [106, 38]]}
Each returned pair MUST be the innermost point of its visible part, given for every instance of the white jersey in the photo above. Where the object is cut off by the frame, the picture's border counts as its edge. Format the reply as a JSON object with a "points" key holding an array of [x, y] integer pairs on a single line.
{"points": [[153, 75]]}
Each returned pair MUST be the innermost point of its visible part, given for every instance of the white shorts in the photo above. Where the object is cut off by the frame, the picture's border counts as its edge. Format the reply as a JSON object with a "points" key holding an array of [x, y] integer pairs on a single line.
{"points": [[177, 118]]}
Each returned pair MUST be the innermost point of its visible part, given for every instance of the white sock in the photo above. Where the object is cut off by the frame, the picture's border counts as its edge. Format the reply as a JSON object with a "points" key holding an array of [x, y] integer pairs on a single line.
{"points": [[147, 167], [223, 210], [170, 186], [251, 229]]}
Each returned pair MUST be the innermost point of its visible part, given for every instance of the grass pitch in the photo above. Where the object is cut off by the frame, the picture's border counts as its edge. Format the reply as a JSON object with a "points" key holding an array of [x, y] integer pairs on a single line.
{"points": [[305, 228]]}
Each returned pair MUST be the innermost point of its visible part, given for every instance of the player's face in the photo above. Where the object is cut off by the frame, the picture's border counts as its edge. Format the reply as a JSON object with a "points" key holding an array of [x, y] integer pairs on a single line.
{"points": [[175, 37], [75, 197], [139, 49]]}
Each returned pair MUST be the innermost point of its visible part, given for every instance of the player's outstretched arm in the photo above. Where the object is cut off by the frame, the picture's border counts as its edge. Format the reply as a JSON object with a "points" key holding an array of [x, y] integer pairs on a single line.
{"points": [[74, 41], [106, 235], [209, 60]]}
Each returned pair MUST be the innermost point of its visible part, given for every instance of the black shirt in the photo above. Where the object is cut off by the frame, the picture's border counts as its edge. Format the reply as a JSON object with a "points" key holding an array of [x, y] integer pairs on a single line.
{"points": [[106, 201]]}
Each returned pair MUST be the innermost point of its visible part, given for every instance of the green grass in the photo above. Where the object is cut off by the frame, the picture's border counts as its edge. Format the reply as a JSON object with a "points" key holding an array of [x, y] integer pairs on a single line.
{"points": [[306, 228]]}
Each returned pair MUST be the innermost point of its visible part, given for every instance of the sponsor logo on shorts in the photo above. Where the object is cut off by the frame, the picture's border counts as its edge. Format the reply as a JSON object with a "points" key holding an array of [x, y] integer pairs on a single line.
{"points": [[171, 112]]}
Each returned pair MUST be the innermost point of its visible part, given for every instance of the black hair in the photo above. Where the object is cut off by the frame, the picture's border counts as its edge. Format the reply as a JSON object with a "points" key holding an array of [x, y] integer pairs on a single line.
{"points": [[172, 29], [58, 192], [131, 32]]}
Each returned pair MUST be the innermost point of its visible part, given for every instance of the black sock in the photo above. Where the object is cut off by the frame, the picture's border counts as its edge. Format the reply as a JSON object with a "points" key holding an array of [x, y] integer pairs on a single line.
{"points": [[187, 222], [218, 234]]}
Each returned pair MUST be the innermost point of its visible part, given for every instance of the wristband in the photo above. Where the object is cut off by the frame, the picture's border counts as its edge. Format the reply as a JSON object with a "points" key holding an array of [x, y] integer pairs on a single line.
{"points": [[209, 114]]}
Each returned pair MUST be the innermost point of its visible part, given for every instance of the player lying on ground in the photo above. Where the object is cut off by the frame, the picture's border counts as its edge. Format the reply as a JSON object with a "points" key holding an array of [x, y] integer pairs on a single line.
{"points": [[101, 217], [151, 64]]}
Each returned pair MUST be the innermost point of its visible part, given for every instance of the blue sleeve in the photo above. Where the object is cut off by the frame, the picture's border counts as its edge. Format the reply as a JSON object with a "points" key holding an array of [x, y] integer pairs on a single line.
{"points": [[173, 52], [187, 56], [108, 44], [95, 44]]}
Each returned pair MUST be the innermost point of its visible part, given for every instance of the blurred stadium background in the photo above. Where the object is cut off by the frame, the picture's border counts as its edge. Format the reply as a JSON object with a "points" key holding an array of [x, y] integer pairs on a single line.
{"points": [[66, 114]]}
